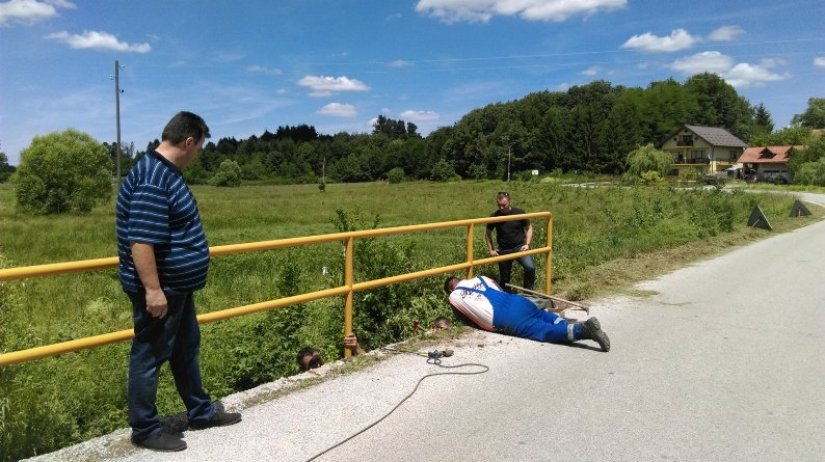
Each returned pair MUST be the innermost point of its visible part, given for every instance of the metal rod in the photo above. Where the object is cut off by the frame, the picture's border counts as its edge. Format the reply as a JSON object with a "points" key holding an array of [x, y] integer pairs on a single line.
{"points": [[551, 297], [117, 116]]}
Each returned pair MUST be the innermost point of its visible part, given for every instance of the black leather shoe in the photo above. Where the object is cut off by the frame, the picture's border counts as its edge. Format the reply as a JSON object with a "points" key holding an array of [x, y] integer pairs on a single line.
{"points": [[162, 441], [219, 419]]}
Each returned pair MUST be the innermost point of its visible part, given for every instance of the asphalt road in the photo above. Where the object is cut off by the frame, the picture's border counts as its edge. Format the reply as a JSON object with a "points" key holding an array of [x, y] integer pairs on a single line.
{"points": [[724, 361]]}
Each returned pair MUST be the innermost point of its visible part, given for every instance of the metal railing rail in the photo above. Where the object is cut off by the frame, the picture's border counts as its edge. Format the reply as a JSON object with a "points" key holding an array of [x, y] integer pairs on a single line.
{"points": [[347, 290]]}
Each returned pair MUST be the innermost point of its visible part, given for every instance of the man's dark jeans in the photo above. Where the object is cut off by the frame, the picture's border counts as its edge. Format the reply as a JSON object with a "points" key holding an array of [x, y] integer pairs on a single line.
{"points": [[175, 338], [506, 267]]}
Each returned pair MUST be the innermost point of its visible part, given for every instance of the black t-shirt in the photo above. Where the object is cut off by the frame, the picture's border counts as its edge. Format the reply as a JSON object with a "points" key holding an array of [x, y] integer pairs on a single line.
{"points": [[509, 234]]}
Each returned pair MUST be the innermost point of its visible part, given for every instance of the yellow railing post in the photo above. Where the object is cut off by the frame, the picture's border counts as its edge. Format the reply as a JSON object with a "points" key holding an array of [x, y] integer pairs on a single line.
{"points": [[548, 267], [348, 278], [470, 250]]}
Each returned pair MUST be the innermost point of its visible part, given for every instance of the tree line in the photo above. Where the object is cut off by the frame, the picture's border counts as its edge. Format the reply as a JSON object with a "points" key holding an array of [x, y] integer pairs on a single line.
{"points": [[590, 128]]}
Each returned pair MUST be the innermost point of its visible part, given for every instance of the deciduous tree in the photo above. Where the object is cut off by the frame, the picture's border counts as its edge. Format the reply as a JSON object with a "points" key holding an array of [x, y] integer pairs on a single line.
{"points": [[63, 172]]}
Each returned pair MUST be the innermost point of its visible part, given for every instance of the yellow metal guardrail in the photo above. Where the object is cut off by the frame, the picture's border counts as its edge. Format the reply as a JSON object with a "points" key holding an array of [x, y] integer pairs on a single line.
{"points": [[347, 290]]}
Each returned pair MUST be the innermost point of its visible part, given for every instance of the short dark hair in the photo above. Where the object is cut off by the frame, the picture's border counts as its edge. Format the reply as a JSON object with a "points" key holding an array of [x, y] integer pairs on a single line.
{"points": [[447, 284], [184, 125], [441, 319], [304, 352]]}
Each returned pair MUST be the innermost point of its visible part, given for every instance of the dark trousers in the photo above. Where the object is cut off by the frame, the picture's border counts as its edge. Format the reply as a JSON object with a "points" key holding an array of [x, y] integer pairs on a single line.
{"points": [[175, 338], [506, 267]]}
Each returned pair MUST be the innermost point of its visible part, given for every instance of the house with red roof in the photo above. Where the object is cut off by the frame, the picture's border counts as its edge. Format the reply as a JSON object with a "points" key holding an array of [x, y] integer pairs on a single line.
{"points": [[768, 163], [707, 150]]}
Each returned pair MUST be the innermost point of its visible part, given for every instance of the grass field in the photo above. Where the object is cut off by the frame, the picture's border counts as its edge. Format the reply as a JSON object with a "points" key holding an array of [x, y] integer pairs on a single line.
{"points": [[604, 239]]}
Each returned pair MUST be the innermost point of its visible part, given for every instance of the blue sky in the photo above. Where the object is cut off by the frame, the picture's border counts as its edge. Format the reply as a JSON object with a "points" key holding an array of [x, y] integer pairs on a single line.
{"points": [[252, 65]]}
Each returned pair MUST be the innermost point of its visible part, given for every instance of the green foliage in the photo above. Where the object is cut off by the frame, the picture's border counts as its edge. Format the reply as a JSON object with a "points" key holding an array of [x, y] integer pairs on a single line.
{"points": [[477, 172], [810, 153], [650, 177], [762, 122], [5, 169], [66, 172], [648, 164], [793, 136], [720, 105], [442, 171], [395, 175], [811, 173], [196, 174], [814, 115], [228, 174]]}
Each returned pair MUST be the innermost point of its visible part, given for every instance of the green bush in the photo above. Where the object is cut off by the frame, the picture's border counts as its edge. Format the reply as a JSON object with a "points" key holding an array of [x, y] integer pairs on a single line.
{"points": [[63, 172], [647, 159], [442, 171], [228, 174], [477, 172], [811, 173], [395, 175]]}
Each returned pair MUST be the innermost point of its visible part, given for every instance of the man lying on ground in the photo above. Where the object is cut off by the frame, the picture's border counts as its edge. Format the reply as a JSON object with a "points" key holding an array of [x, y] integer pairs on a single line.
{"points": [[481, 302]]}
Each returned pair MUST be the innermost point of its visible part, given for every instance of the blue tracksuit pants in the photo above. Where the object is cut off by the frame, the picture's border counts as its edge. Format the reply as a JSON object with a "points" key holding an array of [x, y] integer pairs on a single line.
{"points": [[516, 315]]}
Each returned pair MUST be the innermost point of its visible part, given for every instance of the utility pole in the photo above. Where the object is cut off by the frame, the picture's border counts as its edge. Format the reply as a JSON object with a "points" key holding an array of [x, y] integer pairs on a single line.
{"points": [[117, 116], [508, 162]]}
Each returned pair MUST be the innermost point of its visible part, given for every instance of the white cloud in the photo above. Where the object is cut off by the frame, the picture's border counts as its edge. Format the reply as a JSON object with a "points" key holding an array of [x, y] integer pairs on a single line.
{"points": [[678, 39], [30, 11], [325, 86], [746, 75], [419, 116], [338, 110], [258, 69], [229, 56], [819, 61], [451, 11], [726, 33], [736, 74], [591, 71], [399, 63], [281, 91], [706, 61], [95, 40]]}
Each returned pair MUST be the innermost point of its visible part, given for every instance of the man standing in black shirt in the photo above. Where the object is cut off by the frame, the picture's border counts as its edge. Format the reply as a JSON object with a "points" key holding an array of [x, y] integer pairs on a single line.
{"points": [[512, 236]]}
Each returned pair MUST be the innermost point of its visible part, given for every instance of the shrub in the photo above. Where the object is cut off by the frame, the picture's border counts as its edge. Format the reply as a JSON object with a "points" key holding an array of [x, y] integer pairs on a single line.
{"points": [[442, 171], [811, 173], [477, 172], [395, 175], [650, 176], [5, 169], [228, 174], [694, 174], [647, 159], [196, 174], [63, 172]]}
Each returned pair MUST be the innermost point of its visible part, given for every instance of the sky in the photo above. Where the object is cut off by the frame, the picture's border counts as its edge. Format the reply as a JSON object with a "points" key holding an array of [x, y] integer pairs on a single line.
{"points": [[253, 65]]}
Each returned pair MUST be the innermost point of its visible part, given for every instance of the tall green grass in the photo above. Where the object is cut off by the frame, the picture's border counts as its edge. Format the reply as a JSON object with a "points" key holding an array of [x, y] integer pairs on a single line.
{"points": [[54, 402]]}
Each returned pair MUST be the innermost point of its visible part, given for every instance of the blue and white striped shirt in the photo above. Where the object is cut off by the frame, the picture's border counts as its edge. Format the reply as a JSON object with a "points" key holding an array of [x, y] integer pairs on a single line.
{"points": [[155, 206]]}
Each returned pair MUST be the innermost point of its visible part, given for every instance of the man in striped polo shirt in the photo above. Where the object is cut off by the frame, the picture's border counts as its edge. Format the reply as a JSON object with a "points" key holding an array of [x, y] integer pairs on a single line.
{"points": [[164, 258]]}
